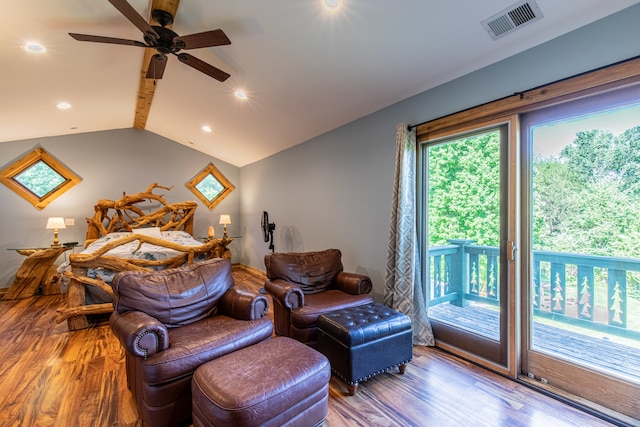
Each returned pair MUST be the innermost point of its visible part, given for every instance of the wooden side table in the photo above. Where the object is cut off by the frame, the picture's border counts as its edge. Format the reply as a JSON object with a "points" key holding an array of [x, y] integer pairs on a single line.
{"points": [[220, 250], [33, 271]]}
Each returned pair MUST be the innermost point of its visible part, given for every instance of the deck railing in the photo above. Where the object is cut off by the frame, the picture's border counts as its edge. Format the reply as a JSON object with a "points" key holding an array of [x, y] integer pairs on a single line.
{"points": [[582, 290]]}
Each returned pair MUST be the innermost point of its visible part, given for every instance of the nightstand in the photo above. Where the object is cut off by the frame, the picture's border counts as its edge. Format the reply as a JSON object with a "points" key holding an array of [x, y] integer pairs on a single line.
{"points": [[34, 271]]}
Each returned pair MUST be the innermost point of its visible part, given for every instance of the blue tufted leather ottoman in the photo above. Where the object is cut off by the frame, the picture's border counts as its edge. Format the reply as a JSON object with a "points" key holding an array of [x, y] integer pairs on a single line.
{"points": [[365, 340]]}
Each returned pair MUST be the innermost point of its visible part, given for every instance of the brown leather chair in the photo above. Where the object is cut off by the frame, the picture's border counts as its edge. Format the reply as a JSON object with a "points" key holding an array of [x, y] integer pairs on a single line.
{"points": [[307, 284], [172, 321]]}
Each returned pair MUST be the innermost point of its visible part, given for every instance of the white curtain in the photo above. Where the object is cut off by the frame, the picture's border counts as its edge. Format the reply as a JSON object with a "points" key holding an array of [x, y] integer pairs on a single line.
{"points": [[403, 284]]}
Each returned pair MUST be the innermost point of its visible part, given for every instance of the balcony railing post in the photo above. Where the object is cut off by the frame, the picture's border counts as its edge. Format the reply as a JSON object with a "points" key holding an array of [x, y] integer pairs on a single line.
{"points": [[460, 271]]}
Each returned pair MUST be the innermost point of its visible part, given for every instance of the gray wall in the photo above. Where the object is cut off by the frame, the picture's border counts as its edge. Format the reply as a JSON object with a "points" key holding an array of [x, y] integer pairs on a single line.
{"points": [[109, 163], [335, 190], [331, 191]]}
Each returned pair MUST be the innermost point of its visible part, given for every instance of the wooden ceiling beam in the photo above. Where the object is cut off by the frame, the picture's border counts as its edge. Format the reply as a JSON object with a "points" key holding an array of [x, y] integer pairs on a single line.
{"points": [[147, 87]]}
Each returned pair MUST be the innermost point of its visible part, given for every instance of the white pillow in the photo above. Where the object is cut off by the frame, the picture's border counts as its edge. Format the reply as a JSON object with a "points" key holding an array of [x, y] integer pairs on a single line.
{"points": [[149, 231]]}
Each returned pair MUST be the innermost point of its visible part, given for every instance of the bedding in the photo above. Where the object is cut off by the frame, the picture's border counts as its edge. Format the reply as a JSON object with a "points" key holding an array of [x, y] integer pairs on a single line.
{"points": [[131, 250]]}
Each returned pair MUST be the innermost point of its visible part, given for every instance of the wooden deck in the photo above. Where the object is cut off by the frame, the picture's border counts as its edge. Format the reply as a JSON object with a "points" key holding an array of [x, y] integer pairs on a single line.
{"points": [[602, 352]]}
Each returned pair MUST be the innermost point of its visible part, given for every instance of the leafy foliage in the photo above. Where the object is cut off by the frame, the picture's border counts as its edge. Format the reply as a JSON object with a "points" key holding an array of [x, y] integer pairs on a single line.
{"points": [[586, 199], [464, 189]]}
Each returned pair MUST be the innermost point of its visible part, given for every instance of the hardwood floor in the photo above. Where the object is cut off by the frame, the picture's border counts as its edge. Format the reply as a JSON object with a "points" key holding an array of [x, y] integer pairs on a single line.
{"points": [[52, 377]]}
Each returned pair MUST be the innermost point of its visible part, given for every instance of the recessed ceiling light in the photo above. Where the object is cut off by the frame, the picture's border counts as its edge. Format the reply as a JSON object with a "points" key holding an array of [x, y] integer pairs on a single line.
{"points": [[240, 94], [34, 47], [331, 4], [63, 105], [206, 128]]}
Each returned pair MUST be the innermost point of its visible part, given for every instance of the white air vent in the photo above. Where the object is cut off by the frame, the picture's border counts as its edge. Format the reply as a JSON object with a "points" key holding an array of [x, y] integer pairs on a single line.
{"points": [[512, 18]]}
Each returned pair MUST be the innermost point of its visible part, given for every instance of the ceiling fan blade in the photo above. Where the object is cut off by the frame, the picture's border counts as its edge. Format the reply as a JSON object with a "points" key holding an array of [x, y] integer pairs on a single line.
{"points": [[156, 66], [136, 19], [204, 39], [202, 66], [101, 39]]}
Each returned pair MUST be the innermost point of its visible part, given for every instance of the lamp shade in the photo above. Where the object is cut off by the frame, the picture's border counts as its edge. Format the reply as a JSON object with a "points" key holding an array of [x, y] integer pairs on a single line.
{"points": [[55, 222], [225, 219]]}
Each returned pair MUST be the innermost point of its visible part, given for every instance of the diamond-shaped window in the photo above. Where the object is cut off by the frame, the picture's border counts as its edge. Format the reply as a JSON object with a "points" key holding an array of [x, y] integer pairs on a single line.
{"points": [[210, 186], [39, 178]]}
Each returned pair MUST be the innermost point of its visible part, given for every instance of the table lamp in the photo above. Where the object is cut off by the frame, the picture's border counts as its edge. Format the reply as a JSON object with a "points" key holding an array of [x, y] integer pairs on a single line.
{"points": [[225, 219], [55, 223]]}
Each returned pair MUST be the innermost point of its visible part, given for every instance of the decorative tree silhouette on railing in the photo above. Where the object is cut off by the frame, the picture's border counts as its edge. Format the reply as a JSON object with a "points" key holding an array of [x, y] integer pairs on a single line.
{"points": [[585, 299], [616, 307], [447, 278], [557, 294], [437, 276], [474, 279], [492, 281]]}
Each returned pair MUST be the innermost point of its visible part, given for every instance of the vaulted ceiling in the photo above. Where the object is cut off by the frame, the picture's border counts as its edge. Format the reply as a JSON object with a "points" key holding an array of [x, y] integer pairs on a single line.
{"points": [[305, 70]]}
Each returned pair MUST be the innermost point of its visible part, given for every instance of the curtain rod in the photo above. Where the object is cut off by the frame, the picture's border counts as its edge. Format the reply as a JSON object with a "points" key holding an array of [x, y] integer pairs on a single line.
{"points": [[521, 94]]}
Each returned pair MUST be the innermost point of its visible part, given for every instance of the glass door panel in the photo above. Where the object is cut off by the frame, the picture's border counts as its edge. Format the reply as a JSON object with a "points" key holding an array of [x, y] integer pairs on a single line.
{"points": [[584, 249], [462, 195]]}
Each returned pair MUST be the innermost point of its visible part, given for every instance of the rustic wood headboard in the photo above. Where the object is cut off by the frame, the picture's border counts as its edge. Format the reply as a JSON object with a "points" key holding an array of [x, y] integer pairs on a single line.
{"points": [[125, 214]]}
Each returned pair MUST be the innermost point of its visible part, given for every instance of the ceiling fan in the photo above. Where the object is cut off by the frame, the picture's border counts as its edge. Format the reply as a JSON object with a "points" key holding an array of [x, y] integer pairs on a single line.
{"points": [[165, 41]]}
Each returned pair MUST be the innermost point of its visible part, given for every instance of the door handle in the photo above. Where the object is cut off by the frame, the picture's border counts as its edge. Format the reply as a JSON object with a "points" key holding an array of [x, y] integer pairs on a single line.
{"points": [[511, 250]]}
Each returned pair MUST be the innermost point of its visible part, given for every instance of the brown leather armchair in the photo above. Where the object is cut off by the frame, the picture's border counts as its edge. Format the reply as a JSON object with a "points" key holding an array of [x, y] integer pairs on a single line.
{"points": [[172, 321], [307, 284]]}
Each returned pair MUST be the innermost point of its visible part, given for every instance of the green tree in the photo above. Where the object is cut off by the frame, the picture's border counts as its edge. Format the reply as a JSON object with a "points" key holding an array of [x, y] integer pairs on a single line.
{"points": [[590, 156], [587, 199], [464, 189]]}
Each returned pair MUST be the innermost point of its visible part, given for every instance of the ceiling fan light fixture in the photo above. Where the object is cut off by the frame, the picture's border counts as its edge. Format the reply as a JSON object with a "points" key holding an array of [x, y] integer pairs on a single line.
{"points": [[207, 128], [165, 41], [331, 4], [34, 47], [240, 94]]}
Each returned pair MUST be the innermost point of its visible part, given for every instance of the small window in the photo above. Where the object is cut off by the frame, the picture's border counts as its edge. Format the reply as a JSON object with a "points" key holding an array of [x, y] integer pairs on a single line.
{"points": [[38, 178], [210, 186]]}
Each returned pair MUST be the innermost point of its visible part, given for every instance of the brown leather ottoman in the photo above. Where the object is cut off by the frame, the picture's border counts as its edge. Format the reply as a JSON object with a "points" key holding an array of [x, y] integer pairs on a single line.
{"points": [[278, 382], [365, 340]]}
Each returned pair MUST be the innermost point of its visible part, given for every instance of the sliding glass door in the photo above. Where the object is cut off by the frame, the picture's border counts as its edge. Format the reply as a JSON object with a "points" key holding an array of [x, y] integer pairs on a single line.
{"points": [[464, 229], [582, 248], [530, 236]]}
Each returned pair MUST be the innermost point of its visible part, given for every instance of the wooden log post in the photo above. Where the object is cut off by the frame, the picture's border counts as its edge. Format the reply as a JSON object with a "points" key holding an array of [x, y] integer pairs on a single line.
{"points": [[50, 284], [32, 271], [75, 299]]}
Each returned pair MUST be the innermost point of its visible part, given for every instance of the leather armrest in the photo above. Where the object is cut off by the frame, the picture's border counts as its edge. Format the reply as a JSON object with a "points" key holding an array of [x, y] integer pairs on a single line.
{"points": [[140, 334], [243, 305], [288, 294], [352, 283]]}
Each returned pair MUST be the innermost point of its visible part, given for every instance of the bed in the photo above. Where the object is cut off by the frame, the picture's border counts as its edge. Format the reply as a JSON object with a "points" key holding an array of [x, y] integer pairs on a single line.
{"points": [[140, 231]]}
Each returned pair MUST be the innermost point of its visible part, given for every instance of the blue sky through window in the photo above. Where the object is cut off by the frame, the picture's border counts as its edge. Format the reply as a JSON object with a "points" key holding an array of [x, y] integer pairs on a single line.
{"points": [[553, 137]]}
